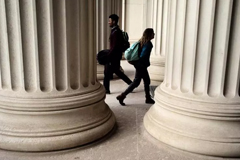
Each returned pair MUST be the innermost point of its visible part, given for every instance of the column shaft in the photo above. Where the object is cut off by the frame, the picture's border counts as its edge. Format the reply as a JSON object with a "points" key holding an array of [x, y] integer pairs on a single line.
{"points": [[198, 103], [49, 96], [159, 22]]}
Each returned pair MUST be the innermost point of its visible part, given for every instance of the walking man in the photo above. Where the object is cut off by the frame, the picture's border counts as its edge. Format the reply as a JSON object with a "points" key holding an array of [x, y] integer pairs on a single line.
{"points": [[115, 54]]}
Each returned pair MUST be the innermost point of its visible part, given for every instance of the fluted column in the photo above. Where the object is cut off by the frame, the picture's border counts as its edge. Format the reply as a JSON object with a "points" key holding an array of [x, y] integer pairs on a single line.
{"points": [[197, 106], [159, 22], [104, 9], [49, 96]]}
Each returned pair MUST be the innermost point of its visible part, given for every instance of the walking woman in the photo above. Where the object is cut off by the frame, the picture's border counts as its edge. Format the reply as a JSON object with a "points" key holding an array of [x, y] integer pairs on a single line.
{"points": [[145, 47]]}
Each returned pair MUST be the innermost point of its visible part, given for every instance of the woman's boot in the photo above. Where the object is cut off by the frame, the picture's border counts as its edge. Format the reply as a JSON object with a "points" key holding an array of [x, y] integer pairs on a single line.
{"points": [[149, 99], [120, 98]]}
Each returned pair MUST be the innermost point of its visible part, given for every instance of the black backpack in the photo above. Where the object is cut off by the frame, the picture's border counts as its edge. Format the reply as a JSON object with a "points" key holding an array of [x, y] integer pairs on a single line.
{"points": [[126, 43]]}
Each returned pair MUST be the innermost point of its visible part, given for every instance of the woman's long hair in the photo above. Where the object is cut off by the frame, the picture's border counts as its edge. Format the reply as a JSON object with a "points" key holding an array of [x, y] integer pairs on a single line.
{"points": [[147, 36]]}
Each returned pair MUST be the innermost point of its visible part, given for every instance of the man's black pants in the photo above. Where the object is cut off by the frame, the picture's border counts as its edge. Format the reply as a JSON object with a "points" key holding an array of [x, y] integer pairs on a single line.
{"points": [[109, 69]]}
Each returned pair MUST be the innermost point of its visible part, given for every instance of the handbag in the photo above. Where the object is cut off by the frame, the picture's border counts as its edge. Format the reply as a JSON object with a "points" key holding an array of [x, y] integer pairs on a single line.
{"points": [[131, 54], [103, 57]]}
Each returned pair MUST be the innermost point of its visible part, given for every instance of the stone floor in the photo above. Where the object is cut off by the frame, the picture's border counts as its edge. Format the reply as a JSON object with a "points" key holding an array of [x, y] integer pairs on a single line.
{"points": [[129, 141]]}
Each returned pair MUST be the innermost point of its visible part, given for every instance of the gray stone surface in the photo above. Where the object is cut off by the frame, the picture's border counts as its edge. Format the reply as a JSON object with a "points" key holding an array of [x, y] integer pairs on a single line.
{"points": [[130, 141]]}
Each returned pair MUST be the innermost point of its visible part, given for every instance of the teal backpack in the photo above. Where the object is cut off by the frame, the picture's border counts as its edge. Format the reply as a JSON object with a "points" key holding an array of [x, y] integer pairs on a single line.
{"points": [[131, 54]]}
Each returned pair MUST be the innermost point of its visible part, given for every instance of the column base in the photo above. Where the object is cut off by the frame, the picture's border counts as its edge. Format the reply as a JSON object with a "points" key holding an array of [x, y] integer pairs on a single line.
{"points": [[199, 126], [100, 72], [54, 124], [157, 69]]}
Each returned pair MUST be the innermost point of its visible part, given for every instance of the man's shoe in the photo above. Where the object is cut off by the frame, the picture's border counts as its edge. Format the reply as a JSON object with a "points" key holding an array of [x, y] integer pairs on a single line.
{"points": [[120, 98], [108, 92], [149, 101]]}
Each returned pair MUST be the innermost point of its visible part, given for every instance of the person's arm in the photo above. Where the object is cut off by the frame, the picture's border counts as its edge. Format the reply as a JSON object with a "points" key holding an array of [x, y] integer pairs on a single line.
{"points": [[145, 55], [113, 43], [146, 50]]}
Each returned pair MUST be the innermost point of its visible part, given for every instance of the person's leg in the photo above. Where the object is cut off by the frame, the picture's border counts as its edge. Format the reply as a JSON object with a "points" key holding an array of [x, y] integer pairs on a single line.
{"points": [[123, 76], [107, 77], [134, 84], [130, 88], [119, 73], [146, 80]]}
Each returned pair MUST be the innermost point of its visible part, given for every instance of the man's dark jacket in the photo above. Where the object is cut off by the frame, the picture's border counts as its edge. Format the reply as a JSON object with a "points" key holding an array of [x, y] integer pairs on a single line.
{"points": [[116, 44]]}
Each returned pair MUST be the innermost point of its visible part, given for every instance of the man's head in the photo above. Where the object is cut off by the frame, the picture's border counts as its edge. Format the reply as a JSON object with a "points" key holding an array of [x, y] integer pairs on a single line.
{"points": [[113, 20]]}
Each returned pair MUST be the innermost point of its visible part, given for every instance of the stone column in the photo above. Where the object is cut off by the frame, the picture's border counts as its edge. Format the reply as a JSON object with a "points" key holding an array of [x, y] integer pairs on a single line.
{"points": [[104, 9], [197, 106], [159, 22], [49, 96]]}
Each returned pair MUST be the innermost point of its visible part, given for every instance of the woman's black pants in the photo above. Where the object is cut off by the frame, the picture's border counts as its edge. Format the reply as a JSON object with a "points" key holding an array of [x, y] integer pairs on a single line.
{"points": [[141, 73]]}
